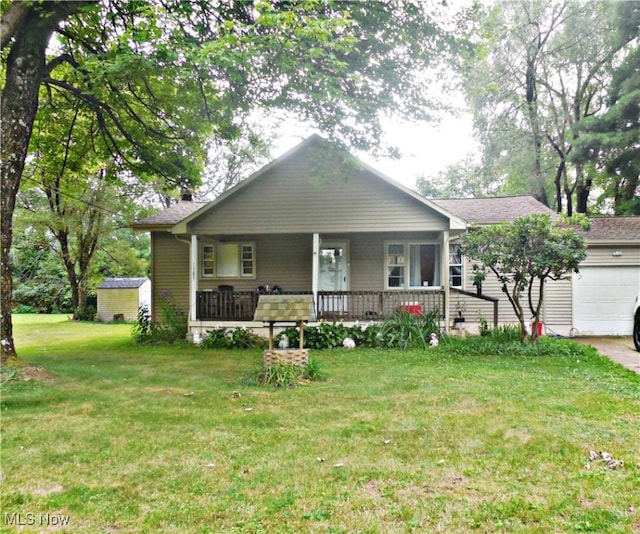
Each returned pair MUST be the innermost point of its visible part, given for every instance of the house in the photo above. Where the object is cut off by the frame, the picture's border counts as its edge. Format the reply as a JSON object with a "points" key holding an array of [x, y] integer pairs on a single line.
{"points": [[317, 221], [120, 298]]}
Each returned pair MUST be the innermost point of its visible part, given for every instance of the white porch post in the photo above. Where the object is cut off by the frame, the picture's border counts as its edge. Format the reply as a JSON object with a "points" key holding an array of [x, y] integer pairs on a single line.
{"points": [[315, 268], [193, 276], [445, 277]]}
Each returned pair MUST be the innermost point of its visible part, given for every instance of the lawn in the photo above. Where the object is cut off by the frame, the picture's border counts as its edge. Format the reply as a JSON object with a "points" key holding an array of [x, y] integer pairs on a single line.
{"points": [[128, 438]]}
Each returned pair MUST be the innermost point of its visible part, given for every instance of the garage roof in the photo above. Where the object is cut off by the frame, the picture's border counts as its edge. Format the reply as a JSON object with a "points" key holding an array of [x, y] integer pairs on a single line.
{"points": [[614, 229]]}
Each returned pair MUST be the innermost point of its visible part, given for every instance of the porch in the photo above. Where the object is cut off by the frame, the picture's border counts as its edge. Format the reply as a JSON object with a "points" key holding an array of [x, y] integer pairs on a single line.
{"points": [[225, 305]]}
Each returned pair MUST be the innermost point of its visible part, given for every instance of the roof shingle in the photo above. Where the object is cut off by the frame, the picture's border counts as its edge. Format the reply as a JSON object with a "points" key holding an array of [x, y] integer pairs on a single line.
{"points": [[170, 216], [614, 229], [493, 209], [122, 283]]}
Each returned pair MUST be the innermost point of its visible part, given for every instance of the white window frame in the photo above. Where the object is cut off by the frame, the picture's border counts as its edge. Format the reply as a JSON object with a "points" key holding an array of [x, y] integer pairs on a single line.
{"points": [[452, 253], [228, 260], [208, 260], [394, 260]]}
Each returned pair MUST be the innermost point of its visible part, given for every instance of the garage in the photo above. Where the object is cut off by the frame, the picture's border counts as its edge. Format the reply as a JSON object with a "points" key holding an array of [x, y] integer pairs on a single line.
{"points": [[603, 299]]}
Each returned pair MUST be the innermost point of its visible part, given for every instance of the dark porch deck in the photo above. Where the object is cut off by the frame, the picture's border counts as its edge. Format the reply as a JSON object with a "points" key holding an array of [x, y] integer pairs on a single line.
{"points": [[330, 305]]}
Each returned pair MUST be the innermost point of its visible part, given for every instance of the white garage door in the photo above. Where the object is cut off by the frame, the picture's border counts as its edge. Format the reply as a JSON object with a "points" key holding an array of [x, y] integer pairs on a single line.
{"points": [[603, 300]]}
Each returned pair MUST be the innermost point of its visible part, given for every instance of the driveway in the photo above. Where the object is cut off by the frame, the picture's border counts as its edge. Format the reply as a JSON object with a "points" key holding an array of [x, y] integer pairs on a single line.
{"points": [[619, 349]]}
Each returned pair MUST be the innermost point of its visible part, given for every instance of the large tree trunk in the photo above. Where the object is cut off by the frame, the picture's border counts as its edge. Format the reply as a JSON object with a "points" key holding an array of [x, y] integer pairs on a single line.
{"points": [[24, 70]]}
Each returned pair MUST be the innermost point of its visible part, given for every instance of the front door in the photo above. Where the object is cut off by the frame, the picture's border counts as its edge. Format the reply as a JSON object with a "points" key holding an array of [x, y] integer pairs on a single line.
{"points": [[334, 274]]}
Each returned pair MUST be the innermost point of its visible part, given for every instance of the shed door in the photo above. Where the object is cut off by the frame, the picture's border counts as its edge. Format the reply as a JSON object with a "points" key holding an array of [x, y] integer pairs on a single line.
{"points": [[603, 300]]}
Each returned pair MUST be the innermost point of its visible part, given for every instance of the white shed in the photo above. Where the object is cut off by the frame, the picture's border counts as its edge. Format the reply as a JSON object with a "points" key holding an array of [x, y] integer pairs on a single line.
{"points": [[120, 298]]}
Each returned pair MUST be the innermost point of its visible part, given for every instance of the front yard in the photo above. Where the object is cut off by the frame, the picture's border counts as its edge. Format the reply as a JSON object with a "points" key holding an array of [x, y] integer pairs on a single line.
{"points": [[173, 439]]}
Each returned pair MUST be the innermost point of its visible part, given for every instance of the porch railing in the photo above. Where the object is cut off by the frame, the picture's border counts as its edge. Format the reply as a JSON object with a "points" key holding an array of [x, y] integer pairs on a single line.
{"points": [[330, 305]]}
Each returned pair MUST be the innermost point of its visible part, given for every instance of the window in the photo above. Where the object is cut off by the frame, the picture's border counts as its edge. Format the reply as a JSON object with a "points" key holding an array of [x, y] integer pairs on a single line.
{"points": [[412, 265], [228, 260], [247, 258], [455, 266], [208, 261], [395, 265]]}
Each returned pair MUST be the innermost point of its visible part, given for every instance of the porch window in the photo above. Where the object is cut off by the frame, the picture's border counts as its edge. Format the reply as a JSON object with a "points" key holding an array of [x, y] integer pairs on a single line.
{"points": [[228, 260], [208, 261], [395, 265], [412, 265], [248, 259], [455, 266]]}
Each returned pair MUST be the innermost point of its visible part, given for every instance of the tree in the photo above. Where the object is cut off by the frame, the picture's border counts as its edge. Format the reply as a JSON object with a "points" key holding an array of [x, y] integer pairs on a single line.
{"points": [[524, 254], [541, 67], [25, 66], [231, 161], [72, 193], [465, 179], [609, 143], [160, 76]]}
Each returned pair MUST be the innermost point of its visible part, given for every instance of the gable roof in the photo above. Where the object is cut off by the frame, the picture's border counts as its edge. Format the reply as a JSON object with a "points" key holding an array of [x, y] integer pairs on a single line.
{"points": [[318, 142], [493, 210], [460, 212], [122, 283], [610, 229]]}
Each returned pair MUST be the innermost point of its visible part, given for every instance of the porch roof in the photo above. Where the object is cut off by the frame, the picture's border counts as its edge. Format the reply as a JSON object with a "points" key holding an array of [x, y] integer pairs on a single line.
{"points": [[167, 218]]}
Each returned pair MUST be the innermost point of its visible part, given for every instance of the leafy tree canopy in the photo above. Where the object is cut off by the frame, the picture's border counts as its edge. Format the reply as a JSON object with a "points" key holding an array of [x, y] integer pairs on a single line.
{"points": [[609, 142]]}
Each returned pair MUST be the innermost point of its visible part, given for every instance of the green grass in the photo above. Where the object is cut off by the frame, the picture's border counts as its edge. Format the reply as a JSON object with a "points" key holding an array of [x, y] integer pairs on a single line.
{"points": [[155, 439]]}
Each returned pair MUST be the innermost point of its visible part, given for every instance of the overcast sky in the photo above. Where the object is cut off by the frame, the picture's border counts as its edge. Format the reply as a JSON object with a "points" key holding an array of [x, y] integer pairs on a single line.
{"points": [[426, 148]]}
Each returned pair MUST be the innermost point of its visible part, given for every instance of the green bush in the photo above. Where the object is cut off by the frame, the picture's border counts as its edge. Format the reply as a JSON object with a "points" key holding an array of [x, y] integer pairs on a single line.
{"points": [[232, 338], [287, 374], [172, 328], [142, 329], [331, 335], [506, 342], [404, 330]]}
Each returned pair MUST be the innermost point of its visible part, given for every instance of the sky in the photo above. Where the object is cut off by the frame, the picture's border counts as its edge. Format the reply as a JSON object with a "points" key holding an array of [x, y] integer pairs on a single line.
{"points": [[426, 148]]}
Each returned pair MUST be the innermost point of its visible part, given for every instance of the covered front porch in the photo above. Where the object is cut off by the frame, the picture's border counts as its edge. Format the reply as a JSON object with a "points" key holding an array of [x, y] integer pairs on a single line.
{"points": [[353, 277]]}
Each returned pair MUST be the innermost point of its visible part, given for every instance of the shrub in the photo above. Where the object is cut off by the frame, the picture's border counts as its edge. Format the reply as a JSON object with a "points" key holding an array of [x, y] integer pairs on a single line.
{"points": [[331, 335], [175, 323], [232, 338], [288, 375], [142, 329], [404, 330], [505, 341], [172, 328]]}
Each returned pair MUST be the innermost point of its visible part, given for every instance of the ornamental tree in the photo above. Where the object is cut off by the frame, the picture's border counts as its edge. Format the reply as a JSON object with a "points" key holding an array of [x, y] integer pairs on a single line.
{"points": [[524, 254]]}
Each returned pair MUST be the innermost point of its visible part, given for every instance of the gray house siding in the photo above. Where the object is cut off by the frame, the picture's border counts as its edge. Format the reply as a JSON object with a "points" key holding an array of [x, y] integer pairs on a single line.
{"points": [[603, 255], [556, 309], [288, 199], [286, 260], [170, 272]]}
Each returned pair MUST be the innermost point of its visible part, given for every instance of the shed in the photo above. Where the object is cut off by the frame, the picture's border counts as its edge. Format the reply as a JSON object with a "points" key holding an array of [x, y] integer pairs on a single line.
{"points": [[120, 298]]}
